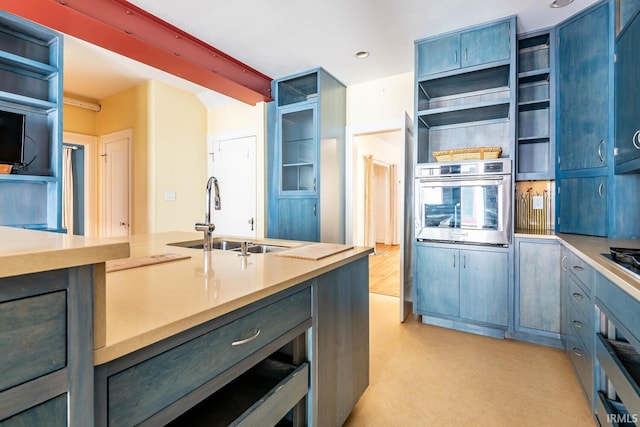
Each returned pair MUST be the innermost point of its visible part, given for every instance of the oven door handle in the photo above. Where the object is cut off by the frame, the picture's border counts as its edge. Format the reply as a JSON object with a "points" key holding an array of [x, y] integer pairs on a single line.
{"points": [[478, 181]]}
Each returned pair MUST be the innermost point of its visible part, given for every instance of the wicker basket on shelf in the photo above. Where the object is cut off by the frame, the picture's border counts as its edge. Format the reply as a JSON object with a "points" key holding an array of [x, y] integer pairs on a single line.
{"points": [[478, 153]]}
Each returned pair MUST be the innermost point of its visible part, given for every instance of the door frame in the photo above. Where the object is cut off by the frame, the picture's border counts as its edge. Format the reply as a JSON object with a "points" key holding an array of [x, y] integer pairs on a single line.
{"points": [[90, 203], [104, 139], [261, 187], [350, 178]]}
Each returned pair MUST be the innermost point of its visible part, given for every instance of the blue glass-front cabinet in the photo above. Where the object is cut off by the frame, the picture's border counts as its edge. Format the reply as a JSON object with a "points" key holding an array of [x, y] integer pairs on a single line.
{"points": [[307, 116], [31, 85]]}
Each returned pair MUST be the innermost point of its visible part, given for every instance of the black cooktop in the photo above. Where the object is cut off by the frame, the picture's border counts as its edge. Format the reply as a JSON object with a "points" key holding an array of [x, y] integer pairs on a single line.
{"points": [[628, 259]]}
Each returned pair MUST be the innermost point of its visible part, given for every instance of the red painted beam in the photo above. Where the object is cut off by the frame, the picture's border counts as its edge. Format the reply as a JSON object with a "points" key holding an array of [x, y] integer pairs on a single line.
{"points": [[122, 27]]}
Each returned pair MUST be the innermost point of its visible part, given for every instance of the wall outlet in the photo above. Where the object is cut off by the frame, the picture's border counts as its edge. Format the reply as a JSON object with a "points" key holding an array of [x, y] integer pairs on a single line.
{"points": [[170, 195]]}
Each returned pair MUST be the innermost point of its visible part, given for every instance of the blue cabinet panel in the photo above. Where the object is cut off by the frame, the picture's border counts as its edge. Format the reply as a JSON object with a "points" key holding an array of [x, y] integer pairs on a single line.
{"points": [[52, 413], [627, 96], [298, 219], [484, 45], [484, 286], [438, 55], [583, 206], [437, 287], [583, 85]]}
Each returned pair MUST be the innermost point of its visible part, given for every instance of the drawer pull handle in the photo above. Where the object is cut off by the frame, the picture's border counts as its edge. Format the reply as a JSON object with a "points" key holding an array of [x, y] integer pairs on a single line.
{"points": [[577, 352], [600, 145], [578, 296], [564, 267], [247, 340], [636, 139], [577, 324], [578, 268]]}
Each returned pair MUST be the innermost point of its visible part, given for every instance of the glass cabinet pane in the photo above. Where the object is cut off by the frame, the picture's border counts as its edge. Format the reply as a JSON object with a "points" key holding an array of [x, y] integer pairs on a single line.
{"points": [[298, 151]]}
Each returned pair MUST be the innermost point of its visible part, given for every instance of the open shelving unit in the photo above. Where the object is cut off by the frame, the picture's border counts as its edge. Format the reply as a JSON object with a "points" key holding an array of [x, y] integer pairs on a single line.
{"points": [[536, 142], [31, 84]]}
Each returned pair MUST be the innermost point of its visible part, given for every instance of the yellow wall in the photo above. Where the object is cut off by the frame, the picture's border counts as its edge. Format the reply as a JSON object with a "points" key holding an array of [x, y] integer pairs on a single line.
{"points": [[177, 153], [79, 120], [380, 100], [239, 117], [129, 110]]}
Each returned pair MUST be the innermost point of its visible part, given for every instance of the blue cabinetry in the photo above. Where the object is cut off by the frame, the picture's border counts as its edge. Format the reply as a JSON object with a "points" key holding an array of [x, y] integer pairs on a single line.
{"points": [[583, 205], [578, 321], [46, 342], [583, 91], [627, 98], [307, 116], [537, 291], [465, 49], [31, 85], [464, 93], [463, 288]]}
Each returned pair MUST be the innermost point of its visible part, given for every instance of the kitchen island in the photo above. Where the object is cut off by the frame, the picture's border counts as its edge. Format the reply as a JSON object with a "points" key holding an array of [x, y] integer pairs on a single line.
{"points": [[175, 340]]}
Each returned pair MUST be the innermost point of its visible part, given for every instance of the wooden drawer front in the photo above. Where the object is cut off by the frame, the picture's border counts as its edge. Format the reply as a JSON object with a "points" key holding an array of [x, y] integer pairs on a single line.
{"points": [[579, 299], [140, 391], [256, 398], [626, 387], [583, 364], [582, 328], [52, 413], [33, 337], [581, 269], [621, 305]]}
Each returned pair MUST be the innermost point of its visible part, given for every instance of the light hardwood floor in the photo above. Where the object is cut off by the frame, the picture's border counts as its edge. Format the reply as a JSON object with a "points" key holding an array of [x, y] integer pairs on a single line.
{"points": [[384, 270], [423, 375]]}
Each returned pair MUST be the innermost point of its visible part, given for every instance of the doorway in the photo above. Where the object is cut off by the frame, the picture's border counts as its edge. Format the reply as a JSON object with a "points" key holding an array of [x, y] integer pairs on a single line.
{"points": [[82, 202], [232, 160]]}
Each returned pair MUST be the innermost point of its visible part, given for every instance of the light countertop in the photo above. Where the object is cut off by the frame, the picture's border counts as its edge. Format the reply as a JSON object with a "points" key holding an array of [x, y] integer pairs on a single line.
{"points": [[591, 248], [31, 251], [147, 304]]}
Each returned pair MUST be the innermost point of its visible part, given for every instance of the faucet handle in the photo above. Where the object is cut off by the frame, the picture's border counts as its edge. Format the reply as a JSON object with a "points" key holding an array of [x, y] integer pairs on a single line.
{"points": [[203, 226]]}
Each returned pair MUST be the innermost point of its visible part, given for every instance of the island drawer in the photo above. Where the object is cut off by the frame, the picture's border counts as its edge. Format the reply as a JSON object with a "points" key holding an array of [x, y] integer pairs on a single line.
{"points": [[583, 271], [264, 396], [620, 306], [136, 393], [33, 337]]}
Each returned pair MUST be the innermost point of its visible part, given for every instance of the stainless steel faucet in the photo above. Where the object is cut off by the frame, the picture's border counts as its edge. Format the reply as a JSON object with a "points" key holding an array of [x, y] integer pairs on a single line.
{"points": [[207, 227]]}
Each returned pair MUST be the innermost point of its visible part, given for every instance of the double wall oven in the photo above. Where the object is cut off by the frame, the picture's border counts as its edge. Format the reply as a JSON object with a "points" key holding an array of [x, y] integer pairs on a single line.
{"points": [[467, 202]]}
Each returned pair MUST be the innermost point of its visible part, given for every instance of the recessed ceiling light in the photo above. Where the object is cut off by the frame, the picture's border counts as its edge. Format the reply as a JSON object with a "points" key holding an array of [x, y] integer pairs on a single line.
{"points": [[560, 3], [362, 54]]}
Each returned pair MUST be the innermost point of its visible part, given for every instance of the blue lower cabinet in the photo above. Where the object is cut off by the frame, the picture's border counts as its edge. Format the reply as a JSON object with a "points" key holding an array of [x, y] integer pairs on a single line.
{"points": [[298, 219], [467, 289], [52, 413]]}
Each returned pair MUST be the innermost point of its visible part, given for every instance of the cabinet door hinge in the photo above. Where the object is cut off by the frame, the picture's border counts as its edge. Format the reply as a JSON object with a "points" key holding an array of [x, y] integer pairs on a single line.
{"points": [[213, 156]]}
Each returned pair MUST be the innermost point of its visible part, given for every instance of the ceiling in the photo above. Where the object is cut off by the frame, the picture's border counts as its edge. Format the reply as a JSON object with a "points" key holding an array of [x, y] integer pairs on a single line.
{"points": [[284, 37]]}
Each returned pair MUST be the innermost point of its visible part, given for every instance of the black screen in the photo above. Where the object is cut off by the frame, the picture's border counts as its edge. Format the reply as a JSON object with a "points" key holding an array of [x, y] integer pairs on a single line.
{"points": [[11, 138]]}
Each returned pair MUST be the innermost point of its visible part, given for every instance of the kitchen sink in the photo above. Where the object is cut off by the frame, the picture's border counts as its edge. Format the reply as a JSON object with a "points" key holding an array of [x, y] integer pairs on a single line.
{"points": [[230, 245]]}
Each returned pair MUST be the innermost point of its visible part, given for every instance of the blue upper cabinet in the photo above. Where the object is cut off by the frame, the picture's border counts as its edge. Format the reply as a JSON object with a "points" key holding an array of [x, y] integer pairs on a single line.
{"points": [[627, 98], [464, 90], [583, 91], [31, 87], [583, 207], [465, 49]]}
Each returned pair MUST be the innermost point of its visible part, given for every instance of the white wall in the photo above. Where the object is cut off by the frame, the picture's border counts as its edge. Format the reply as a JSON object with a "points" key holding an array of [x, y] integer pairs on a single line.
{"points": [[380, 101]]}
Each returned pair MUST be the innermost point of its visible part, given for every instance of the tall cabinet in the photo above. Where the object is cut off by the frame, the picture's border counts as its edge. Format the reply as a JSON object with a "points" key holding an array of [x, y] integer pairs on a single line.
{"points": [[306, 158], [31, 84], [591, 198]]}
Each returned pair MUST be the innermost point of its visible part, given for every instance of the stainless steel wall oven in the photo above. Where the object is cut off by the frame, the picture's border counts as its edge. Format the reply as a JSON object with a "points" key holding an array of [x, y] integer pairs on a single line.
{"points": [[466, 202]]}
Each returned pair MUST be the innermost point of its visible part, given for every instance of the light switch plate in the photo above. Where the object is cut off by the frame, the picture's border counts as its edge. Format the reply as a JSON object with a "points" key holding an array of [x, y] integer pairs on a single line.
{"points": [[170, 195]]}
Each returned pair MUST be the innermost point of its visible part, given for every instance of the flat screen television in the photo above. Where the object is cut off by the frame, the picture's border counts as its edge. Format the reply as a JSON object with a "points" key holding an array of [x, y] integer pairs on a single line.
{"points": [[11, 138]]}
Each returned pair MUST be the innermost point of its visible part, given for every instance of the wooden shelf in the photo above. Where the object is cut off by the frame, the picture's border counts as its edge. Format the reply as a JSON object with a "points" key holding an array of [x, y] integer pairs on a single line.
{"points": [[25, 101], [471, 81], [37, 179], [533, 105], [9, 60]]}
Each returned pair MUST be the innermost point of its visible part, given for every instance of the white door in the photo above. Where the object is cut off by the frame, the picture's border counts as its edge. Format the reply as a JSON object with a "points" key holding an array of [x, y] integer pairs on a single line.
{"points": [[233, 163], [406, 243], [116, 183]]}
